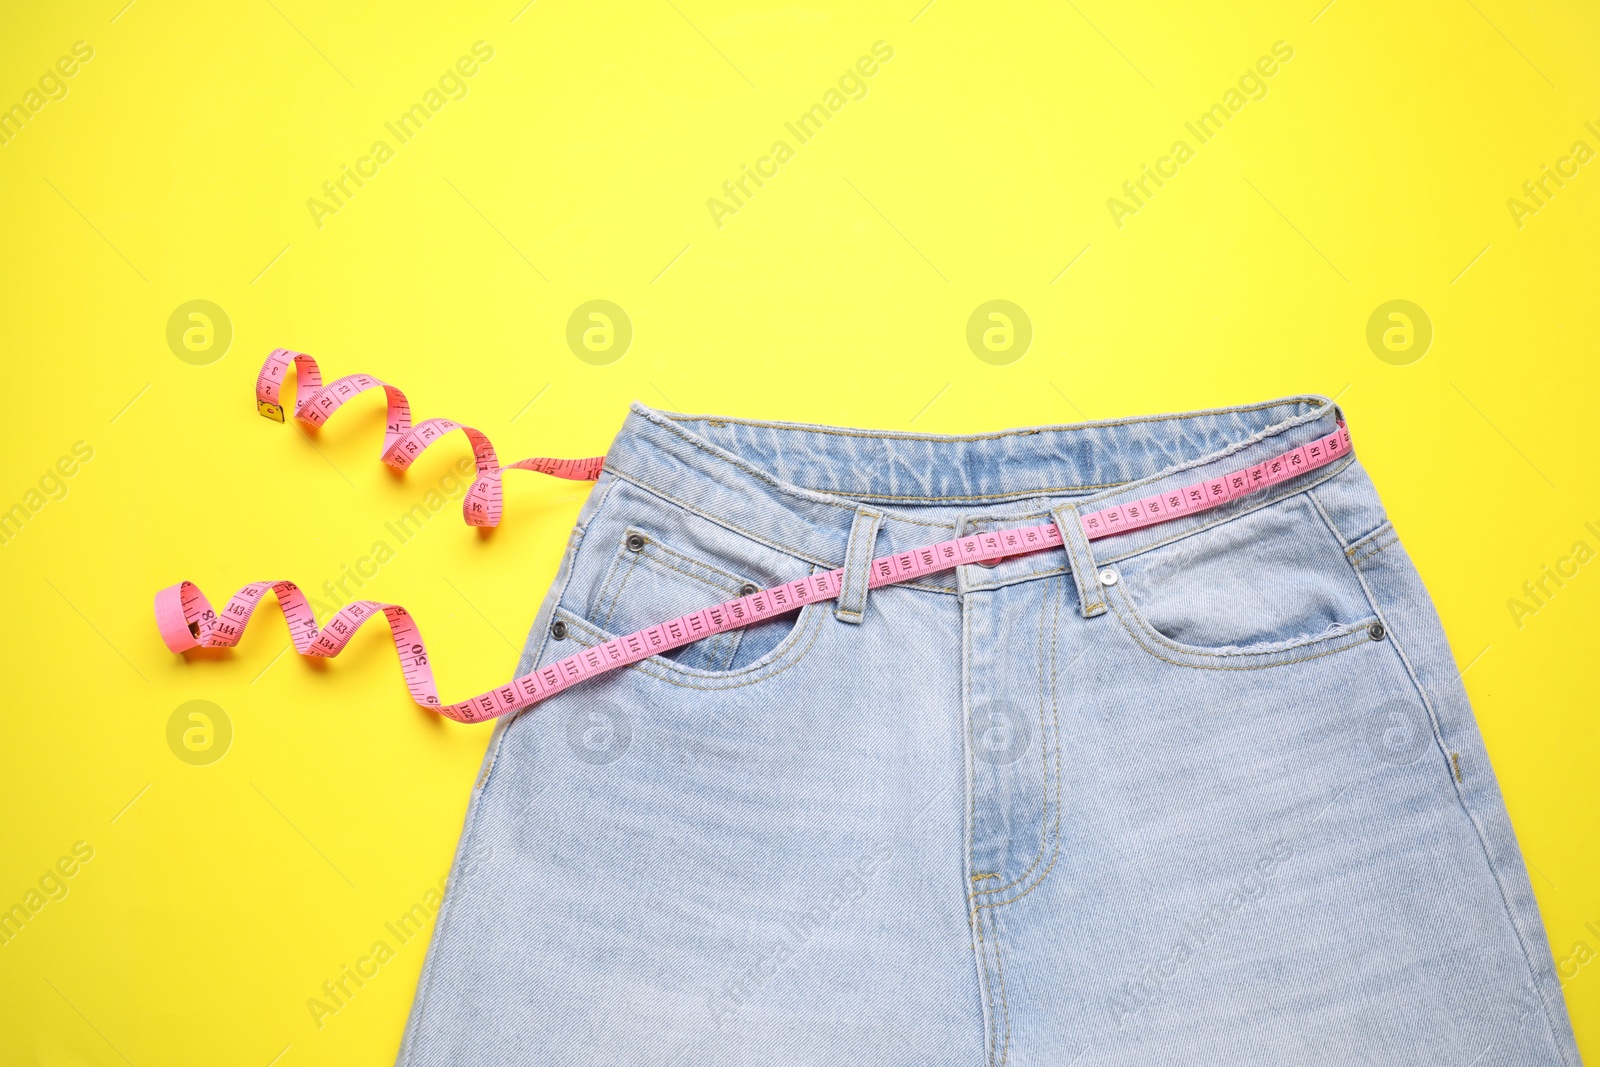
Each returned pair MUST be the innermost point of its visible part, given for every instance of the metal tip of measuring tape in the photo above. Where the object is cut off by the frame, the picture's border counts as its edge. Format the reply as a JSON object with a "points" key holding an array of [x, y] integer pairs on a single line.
{"points": [[270, 410]]}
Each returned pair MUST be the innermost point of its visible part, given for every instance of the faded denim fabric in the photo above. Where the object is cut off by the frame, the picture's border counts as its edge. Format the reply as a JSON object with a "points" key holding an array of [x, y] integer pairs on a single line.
{"points": [[1206, 792]]}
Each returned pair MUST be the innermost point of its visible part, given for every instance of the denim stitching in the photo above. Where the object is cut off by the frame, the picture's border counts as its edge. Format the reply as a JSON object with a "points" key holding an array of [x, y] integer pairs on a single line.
{"points": [[791, 657], [981, 952], [1160, 638], [1054, 856], [992, 947], [1050, 823], [1374, 552], [1377, 532], [1361, 543], [1529, 953], [728, 642], [1383, 537], [1364, 542], [988, 992], [653, 547], [1344, 539], [998, 975], [1045, 804], [599, 605], [633, 561], [1333, 527], [1353, 639], [1005, 1004], [1002, 1031], [1055, 719]]}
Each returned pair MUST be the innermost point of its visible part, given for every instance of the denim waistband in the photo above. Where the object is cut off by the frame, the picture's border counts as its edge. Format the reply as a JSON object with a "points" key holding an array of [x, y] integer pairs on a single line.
{"points": [[797, 487]]}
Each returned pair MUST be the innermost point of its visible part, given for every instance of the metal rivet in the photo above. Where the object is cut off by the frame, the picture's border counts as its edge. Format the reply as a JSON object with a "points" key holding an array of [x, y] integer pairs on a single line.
{"points": [[1376, 631], [635, 543], [749, 589], [1108, 577], [558, 630]]}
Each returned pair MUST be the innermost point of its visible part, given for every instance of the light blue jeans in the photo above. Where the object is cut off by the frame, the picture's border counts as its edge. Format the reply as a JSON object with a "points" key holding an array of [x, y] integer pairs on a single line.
{"points": [[1207, 792]]}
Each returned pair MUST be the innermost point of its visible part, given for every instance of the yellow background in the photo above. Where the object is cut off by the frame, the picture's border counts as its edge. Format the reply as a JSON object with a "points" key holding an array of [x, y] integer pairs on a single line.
{"points": [[978, 166]]}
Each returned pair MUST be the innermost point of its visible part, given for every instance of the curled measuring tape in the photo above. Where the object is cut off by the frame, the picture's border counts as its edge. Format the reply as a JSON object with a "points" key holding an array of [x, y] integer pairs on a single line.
{"points": [[403, 442], [186, 619]]}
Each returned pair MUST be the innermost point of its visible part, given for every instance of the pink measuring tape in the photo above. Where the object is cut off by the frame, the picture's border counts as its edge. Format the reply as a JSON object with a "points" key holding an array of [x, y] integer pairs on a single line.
{"points": [[403, 442], [186, 619]]}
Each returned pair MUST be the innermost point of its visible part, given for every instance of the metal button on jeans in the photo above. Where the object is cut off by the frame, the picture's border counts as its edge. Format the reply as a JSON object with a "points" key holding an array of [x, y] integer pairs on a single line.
{"points": [[558, 630]]}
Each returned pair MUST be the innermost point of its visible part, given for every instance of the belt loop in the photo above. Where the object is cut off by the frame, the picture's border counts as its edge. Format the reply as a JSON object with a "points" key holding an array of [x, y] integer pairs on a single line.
{"points": [[857, 565], [1080, 558]]}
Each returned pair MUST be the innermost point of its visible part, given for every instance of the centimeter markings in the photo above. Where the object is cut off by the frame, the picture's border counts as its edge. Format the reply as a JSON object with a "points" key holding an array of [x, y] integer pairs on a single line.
{"points": [[186, 619], [403, 442], [1217, 491]]}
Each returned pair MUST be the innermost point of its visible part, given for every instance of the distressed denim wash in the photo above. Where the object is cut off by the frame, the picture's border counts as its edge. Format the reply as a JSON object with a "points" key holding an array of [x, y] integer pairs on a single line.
{"points": [[1207, 792]]}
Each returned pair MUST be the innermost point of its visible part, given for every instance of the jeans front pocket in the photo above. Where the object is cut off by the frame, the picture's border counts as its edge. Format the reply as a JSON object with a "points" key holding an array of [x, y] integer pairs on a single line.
{"points": [[1270, 586], [655, 562]]}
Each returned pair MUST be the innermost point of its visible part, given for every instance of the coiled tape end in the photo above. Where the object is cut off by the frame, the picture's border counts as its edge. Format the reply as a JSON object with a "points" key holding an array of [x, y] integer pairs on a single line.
{"points": [[172, 621]]}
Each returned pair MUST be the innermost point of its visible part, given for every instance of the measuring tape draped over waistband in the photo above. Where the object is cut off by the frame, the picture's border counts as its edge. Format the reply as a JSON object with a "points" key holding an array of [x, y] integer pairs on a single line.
{"points": [[186, 619]]}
